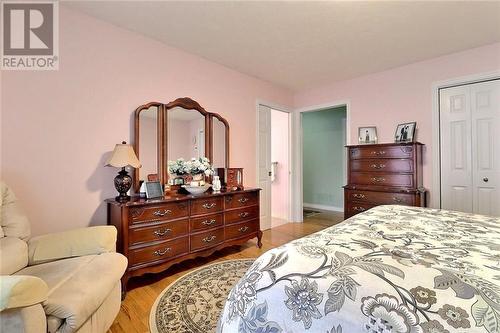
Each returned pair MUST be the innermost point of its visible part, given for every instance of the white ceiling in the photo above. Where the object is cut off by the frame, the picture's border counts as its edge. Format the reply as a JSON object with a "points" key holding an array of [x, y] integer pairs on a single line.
{"points": [[302, 44]]}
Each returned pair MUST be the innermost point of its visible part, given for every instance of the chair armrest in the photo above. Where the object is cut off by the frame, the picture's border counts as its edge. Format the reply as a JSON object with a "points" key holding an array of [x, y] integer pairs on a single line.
{"points": [[18, 291], [73, 243]]}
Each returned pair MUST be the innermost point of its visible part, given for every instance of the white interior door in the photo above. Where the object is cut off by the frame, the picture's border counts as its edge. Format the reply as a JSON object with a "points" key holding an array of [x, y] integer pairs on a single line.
{"points": [[456, 154], [470, 149], [264, 165], [485, 111]]}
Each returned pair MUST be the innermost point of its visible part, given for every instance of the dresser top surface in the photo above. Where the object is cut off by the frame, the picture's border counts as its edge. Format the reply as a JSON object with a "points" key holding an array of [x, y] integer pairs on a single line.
{"points": [[368, 145], [136, 200]]}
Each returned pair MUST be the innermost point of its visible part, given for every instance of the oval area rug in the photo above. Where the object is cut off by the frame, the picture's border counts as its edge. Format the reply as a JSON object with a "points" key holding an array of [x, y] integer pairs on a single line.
{"points": [[193, 302]]}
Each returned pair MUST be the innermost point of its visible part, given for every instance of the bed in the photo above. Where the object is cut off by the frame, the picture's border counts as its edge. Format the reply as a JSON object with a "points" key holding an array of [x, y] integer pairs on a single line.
{"points": [[392, 269]]}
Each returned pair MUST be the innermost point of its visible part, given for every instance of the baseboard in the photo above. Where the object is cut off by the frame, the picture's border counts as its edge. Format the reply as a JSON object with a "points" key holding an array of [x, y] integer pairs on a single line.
{"points": [[323, 207]]}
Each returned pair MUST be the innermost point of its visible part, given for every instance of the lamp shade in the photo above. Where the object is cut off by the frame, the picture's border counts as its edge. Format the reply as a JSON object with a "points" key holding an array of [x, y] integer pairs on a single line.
{"points": [[123, 155]]}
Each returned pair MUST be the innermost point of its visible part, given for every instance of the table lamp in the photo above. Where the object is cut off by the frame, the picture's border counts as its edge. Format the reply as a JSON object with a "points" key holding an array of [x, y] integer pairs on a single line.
{"points": [[123, 155]]}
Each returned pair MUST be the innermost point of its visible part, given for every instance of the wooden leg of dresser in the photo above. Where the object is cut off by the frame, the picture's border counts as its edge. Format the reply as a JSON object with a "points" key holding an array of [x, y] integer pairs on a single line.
{"points": [[259, 239], [124, 281]]}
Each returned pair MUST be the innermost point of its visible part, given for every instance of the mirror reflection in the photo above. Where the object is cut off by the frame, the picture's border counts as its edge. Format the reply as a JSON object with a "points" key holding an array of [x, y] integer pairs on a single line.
{"points": [[186, 134], [219, 143], [148, 148]]}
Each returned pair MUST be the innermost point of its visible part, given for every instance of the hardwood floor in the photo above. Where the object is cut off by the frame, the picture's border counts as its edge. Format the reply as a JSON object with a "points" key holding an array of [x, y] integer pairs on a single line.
{"points": [[143, 291]]}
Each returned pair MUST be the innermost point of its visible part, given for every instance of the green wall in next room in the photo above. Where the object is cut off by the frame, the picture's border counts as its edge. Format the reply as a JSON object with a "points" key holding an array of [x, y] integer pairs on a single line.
{"points": [[324, 156]]}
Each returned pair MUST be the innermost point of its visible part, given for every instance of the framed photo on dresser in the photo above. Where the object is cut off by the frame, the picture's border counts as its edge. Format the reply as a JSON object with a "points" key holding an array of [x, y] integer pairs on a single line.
{"points": [[367, 135], [405, 132]]}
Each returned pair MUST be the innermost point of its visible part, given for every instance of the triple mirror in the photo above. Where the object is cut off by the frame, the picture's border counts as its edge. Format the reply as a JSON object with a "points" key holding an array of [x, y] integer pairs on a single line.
{"points": [[179, 129]]}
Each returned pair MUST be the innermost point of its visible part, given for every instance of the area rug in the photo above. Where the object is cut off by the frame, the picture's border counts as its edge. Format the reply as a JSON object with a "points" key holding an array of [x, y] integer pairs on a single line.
{"points": [[310, 213], [193, 302]]}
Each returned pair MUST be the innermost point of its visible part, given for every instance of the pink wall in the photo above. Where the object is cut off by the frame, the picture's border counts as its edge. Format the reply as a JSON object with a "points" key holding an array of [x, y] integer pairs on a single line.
{"points": [[401, 95], [279, 153], [58, 127], [147, 148]]}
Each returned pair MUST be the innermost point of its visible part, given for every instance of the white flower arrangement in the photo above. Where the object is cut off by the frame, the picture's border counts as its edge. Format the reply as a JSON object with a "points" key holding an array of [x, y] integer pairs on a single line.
{"points": [[197, 166], [178, 167]]}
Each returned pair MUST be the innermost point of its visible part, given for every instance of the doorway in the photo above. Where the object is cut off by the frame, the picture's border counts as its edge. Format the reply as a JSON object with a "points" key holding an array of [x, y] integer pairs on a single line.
{"points": [[469, 118], [274, 165], [324, 164]]}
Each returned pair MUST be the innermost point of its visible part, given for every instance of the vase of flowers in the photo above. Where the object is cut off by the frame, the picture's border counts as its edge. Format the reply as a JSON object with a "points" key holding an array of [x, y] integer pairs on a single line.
{"points": [[178, 170], [199, 168]]}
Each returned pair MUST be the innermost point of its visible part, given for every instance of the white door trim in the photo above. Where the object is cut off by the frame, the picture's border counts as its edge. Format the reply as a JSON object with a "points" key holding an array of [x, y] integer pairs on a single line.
{"points": [[291, 132], [297, 186], [436, 146]]}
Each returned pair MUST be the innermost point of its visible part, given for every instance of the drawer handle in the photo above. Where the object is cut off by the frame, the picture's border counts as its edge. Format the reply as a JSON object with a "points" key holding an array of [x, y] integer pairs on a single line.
{"points": [[243, 229], [358, 209], [209, 222], [161, 233], [378, 167], [358, 195], [162, 213], [378, 179], [244, 214], [160, 253], [209, 205], [378, 152], [398, 200], [243, 200], [209, 239]]}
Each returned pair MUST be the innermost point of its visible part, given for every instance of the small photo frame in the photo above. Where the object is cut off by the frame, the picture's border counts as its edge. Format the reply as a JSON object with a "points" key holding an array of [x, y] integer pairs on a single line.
{"points": [[405, 132], [367, 135], [153, 190]]}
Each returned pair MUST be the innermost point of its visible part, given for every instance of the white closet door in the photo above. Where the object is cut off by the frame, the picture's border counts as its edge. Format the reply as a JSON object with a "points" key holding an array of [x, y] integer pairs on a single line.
{"points": [[264, 166], [456, 155], [485, 112]]}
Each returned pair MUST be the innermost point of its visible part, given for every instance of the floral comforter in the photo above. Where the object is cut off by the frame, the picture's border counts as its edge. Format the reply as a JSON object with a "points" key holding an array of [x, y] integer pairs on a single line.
{"points": [[392, 269]]}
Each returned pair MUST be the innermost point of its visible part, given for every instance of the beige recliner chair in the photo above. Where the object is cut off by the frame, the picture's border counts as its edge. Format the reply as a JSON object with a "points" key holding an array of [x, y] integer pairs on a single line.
{"points": [[62, 282]]}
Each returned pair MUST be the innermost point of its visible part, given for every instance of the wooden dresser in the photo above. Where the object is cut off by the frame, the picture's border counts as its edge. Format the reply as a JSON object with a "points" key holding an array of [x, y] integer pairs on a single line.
{"points": [[157, 233], [383, 174]]}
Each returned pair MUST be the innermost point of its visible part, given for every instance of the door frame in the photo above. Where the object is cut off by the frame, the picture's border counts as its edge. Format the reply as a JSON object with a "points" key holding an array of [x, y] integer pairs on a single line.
{"points": [[298, 187], [291, 131], [435, 201]]}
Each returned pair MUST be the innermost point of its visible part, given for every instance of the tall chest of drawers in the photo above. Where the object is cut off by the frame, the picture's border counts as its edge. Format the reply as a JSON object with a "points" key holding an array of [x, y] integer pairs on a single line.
{"points": [[383, 174], [157, 233]]}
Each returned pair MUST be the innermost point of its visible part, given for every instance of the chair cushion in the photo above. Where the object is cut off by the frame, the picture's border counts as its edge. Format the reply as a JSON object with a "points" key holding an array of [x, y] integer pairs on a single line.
{"points": [[13, 255], [78, 286], [12, 219]]}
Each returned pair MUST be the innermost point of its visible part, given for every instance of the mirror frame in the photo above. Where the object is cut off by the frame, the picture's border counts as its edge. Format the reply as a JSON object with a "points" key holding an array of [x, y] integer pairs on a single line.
{"points": [[162, 136]]}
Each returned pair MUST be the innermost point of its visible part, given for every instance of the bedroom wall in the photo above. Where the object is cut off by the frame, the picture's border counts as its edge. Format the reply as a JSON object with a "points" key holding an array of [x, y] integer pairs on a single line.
{"points": [[59, 127], [323, 158], [402, 94]]}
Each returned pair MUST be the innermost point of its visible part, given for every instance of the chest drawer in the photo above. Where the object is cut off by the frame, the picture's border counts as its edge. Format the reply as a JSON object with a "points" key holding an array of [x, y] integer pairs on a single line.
{"points": [[242, 214], [241, 229], [381, 152], [381, 179], [206, 205], [168, 211], [355, 207], [160, 251], [207, 222], [381, 198], [242, 200], [382, 165], [163, 231], [207, 239]]}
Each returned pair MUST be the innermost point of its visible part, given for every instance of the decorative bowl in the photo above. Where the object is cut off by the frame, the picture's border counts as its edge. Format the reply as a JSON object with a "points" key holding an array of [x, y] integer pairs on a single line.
{"points": [[194, 190]]}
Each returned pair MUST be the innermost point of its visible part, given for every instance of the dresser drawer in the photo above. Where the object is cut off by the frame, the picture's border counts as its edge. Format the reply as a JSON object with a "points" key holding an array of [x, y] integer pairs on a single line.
{"points": [[381, 198], [381, 152], [160, 251], [242, 229], [163, 231], [355, 207], [381, 179], [207, 222], [206, 205], [168, 211], [242, 214], [207, 239], [382, 165], [242, 200]]}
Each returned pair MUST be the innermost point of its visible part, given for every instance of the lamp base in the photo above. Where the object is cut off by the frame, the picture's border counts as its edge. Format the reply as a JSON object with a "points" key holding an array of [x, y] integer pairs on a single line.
{"points": [[123, 183]]}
